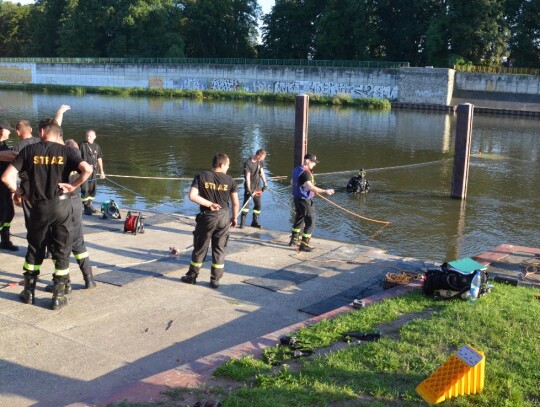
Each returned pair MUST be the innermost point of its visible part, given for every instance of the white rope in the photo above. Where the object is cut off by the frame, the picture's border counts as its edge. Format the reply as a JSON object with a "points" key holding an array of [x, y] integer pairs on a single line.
{"points": [[280, 177]]}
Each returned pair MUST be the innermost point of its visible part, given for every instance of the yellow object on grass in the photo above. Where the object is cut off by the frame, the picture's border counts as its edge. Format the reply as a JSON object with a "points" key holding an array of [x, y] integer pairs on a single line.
{"points": [[460, 375]]}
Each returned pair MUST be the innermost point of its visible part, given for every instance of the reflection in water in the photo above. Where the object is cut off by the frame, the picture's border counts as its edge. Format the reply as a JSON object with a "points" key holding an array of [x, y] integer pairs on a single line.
{"points": [[154, 137]]}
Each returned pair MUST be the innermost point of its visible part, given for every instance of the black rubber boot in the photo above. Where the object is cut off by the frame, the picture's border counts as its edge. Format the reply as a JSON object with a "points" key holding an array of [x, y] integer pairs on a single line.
{"points": [[242, 220], [88, 208], [255, 222], [6, 243], [68, 289], [94, 210], [27, 295], [215, 276], [304, 245], [59, 298], [190, 277], [295, 239], [89, 281]]}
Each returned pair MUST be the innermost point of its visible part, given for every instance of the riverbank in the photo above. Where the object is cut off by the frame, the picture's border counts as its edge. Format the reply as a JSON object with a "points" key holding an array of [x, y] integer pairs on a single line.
{"points": [[253, 97], [372, 104], [141, 320], [142, 331]]}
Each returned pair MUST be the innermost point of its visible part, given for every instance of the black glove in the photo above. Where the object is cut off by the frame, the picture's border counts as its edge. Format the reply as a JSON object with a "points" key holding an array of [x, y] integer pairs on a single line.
{"points": [[264, 188], [248, 192]]}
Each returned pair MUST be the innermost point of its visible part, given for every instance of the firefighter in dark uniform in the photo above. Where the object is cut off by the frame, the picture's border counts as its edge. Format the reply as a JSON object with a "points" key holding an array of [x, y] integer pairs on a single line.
{"points": [[7, 210], [79, 246], [213, 191], [48, 164], [91, 153], [303, 190], [24, 131], [254, 185]]}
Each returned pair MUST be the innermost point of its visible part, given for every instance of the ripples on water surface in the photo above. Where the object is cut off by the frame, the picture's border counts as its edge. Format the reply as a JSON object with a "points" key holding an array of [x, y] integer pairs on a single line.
{"points": [[177, 138]]}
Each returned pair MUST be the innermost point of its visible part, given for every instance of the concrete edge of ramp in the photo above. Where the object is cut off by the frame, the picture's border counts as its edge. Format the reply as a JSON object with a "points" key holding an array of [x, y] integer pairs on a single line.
{"points": [[197, 372]]}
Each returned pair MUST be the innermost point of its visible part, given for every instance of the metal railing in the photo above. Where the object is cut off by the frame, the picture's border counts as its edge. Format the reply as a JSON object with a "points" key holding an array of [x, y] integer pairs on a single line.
{"points": [[215, 61], [497, 69]]}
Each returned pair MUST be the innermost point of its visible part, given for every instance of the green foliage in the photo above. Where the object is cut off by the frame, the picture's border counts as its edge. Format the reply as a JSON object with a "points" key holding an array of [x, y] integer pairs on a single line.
{"points": [[15, 29], [339, 100], [289, 30], [422, 32], [479, 30], [78, 90], [524, 44], [404, 34], [225, 28], [458, 60]]}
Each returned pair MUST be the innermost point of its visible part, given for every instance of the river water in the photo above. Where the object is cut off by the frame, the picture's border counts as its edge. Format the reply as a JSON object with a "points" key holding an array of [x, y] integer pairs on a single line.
{"points": [[407, 156]]}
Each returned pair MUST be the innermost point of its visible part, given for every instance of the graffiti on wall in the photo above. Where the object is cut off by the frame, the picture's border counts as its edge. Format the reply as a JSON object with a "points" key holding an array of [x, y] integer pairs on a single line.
{"points": [[189, 84], [15, 74], [295, 87], [225, 84], [332, 89], [261, 86]]}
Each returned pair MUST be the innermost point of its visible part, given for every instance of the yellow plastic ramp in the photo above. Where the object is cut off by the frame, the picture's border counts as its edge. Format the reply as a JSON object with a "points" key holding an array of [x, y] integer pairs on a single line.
{"points": [[462, 374]]}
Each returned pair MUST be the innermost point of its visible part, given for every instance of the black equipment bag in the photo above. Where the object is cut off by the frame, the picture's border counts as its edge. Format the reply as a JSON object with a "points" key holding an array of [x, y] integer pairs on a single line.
{"points": [[446, 278]]}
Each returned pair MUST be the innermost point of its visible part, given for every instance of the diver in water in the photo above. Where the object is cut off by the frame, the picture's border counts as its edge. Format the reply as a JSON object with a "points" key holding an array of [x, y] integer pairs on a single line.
{"points": [[358, 184]]}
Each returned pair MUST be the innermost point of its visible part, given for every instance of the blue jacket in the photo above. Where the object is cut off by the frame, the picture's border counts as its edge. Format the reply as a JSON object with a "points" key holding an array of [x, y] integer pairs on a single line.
{"points": [[299, 191]]}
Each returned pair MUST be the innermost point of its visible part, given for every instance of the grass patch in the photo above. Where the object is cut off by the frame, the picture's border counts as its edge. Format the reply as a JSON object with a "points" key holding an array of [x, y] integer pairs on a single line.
{"points": [[504, 324], [255, 97], [242, 369], [418, 335]]}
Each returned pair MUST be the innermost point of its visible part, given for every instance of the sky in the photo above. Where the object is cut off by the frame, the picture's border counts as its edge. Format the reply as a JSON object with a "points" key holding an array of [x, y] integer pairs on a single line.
{"points": [[265, 4]]}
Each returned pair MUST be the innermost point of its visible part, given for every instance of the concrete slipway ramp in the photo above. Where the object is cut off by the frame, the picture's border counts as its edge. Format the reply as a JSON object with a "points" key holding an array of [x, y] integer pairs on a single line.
{"points": [[141, 320]]}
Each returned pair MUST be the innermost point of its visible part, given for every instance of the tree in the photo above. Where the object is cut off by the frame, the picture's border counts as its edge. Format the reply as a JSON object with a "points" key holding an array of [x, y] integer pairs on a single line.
{"points": [[347, 29], [142, 28], [438, 39], [404, 28], [15, 32], [220, 28], [81, 29], [479, 30], [45, 16], [524, 44]]}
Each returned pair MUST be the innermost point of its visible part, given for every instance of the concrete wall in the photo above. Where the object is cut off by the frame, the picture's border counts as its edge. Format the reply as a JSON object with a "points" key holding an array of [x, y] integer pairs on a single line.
{"points": [[498, 83], [413, 85], [427, 85], [409, 85], [498, 91]]}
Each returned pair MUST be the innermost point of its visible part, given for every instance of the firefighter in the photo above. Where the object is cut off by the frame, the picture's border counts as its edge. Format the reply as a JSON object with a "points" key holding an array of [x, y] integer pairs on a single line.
{"points": [[79, 246], [254, 180], [7, 210], [213, 191], [91, 153], [303, 191], [24, 131], [48, 164]]}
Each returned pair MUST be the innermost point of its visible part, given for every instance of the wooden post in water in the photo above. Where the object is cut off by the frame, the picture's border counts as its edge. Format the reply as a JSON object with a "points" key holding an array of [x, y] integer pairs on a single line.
{"points": [[301, 128], [462, 153]]}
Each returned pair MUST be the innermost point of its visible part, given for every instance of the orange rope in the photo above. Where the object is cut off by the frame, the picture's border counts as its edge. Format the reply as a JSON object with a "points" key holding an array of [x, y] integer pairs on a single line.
{"points": [[352, 213]]}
